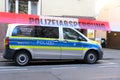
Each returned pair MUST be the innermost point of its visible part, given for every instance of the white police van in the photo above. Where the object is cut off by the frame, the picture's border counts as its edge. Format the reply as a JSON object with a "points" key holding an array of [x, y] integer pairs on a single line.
{"points": [[25, 42]]}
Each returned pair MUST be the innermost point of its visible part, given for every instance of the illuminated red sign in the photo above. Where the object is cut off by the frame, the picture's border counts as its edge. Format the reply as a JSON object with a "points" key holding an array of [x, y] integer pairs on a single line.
{"points": [[16, 18], [92, 24], [53, 21]]}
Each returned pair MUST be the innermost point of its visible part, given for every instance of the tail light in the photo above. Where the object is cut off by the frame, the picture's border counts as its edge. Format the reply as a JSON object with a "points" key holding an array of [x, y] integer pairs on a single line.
{"points": [[7, 41]]}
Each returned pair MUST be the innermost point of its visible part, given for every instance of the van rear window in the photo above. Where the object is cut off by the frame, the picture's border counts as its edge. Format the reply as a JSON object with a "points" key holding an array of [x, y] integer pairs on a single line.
{"points": [[23, 31], [36, 31]]}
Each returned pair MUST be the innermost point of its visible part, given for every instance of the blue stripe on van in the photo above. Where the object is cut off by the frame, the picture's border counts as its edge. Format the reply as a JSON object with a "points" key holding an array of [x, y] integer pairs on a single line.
{"points": [[38, 42]]}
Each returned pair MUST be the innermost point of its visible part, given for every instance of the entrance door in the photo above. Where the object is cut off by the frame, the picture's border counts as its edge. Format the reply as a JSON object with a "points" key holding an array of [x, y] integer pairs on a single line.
{"points": [[113, 40]]}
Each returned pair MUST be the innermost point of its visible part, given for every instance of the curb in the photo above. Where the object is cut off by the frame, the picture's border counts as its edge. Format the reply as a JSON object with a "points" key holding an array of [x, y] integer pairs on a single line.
{"points": [[5, 61]]}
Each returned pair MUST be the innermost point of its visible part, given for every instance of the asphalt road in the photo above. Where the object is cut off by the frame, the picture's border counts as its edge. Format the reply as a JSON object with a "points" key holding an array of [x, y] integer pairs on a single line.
{"points": [[106, 69]]}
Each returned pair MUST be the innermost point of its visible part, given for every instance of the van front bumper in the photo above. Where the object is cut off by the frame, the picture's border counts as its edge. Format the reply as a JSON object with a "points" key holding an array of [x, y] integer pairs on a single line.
{"points": [[100, 54]]}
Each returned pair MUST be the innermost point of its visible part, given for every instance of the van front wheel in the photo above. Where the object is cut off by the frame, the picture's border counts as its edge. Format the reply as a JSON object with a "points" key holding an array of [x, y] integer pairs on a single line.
{"points": [[22, 58], [90, 57]]}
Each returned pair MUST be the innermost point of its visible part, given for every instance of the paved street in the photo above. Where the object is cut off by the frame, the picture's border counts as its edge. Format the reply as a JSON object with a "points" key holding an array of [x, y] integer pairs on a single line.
{"points": [[106, 69]]}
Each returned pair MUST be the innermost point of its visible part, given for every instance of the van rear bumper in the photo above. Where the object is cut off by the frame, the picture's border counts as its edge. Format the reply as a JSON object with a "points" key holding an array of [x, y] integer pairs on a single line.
{"points": [[8, 53]]}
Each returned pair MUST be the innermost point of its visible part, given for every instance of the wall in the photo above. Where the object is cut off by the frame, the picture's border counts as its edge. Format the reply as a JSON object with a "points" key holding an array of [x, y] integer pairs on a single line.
{"points": [[101, 34], [110, 13], [2, 26], [2, 5], [68, 7]]}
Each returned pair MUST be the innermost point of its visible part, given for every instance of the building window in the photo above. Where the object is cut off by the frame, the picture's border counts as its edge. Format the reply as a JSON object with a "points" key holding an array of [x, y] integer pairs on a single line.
{"points": [[34, 7], [11, 6], [22, 6]]}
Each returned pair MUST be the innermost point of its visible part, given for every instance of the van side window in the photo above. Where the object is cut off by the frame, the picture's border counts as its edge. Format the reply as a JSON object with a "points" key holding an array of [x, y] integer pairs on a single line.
{"points": [[23, 31], [71, 34], [47, 32]]}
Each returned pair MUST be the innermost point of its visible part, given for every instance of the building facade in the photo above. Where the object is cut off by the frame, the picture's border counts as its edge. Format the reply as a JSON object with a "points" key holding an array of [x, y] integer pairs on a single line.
{"points": [[52, 7], [71, 8], [111, 14]]}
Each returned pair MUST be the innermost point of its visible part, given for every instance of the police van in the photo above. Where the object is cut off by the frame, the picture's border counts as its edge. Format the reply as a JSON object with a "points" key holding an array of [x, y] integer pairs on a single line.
{"points": [[26, 42]]}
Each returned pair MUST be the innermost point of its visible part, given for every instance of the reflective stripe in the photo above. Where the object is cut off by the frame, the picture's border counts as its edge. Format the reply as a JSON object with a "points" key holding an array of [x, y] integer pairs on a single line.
{"points": [[30, 38], [47, 47]]}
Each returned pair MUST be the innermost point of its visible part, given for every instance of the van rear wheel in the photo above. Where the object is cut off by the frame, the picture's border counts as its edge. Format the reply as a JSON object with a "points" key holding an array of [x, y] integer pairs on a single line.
{"points": [[22, 58], [90, 57]]}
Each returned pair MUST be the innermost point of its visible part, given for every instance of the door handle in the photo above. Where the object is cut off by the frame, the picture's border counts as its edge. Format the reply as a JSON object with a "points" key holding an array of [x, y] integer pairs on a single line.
{"points": [[65, 41], [56, 40]]}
